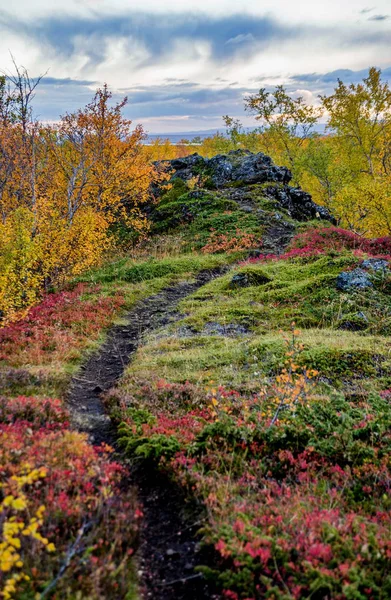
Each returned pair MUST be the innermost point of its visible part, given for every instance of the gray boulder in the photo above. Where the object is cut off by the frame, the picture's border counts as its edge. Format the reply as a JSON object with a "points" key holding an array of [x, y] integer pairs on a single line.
{"points": [[375, 264], [358, 279], [248, 278], [297, 203], [242, 166], [237, 166]]}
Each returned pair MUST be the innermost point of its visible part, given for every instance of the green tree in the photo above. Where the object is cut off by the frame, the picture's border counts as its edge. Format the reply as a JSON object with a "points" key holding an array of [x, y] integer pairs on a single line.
{"points": [[287, 122], [360, 115]]}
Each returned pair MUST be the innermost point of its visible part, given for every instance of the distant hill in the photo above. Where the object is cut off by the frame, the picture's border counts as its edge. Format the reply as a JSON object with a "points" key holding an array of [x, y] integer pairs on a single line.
{"points": [[175, 138]]}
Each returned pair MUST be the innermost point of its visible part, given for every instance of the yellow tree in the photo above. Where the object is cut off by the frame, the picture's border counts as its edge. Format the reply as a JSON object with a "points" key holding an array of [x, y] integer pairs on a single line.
{"points": [[360, 119], [287, 123], [65, 190]]}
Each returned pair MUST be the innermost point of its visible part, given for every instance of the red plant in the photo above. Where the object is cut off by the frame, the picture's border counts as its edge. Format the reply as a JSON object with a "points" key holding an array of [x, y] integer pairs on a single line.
{"points": [[88, 515], [223, 242], [58, 326], [318, 241]]}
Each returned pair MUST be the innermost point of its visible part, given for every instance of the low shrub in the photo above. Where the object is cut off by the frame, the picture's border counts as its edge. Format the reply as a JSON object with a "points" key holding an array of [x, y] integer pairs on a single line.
{"points": [[222, 242], [57, 327], [297, 486], [66, 530], [325, 240]]}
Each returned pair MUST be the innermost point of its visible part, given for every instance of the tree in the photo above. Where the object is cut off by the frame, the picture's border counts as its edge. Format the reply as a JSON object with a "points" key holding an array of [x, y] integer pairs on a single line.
{"points": [[287, 122], [360, 121], [360, 114], [101, 162], [234, 129], [65, 190]]}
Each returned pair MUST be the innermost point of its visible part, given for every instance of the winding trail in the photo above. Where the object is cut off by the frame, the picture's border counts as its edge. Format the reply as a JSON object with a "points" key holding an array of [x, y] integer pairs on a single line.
{"points": [[169, 550]]}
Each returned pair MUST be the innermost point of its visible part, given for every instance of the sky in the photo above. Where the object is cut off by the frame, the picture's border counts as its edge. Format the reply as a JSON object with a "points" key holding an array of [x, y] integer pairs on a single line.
{"points": [[185, 63]]}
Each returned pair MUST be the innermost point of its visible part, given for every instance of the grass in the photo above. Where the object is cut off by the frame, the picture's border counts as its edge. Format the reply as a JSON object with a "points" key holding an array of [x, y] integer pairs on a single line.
{"points": [[244, 362], [138, 271], [300, 290], [297, 507], [196, 214], [280, 292], [41, 356]]}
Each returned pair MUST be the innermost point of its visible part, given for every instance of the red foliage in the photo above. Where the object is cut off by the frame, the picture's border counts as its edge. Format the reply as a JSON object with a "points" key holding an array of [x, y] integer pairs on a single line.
{"points": [[299, 505], [224, 242], [318, 241], [81, 489], [56, 326], [38, 413]]}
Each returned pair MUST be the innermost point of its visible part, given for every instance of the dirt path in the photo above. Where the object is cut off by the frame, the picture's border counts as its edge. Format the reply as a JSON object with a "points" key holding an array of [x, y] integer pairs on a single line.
{"points": [[169, 550]]}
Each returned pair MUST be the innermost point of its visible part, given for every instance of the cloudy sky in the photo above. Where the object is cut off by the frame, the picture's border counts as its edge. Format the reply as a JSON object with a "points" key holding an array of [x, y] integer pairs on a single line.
{"points": [[183, 64]]}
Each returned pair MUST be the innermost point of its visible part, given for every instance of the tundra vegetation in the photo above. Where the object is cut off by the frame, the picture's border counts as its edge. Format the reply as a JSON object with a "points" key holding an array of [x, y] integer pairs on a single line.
{"points": [[265, 396]]}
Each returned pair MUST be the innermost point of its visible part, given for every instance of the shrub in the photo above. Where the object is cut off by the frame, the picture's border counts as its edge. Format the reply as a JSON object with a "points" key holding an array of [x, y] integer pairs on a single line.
{"points": [[319, 240], [222, 242], [66, 528]]}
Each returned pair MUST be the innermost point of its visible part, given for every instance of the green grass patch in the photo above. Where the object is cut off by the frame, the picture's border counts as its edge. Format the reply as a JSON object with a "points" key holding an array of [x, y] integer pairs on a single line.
{"points": [[301, 290], [133, 271]]}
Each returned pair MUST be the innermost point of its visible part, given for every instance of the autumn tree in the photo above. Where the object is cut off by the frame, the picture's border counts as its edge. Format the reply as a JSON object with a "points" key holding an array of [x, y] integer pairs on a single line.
{"points": [[360, 122], [65, 189], [287, 122], [360, 115]]}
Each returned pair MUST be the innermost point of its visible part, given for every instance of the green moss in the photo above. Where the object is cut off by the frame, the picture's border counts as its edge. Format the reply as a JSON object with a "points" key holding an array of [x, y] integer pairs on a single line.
{"points": [[300, 290], [177, 190], [248, 277], [244, 362], [196, 215]]}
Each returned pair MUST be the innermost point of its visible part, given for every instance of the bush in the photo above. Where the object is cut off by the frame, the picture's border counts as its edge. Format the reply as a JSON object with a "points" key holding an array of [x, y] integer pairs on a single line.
{"points": [[66, 528]]}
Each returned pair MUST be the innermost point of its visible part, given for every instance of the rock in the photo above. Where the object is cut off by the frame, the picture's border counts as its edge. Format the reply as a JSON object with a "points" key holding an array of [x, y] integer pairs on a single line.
{"points": [[185, 168], [375, 264], [171, 553], [297, 203], [230, 330], [357, 322], [221, 170], [241, 168], [358, 279], [240, 280], [361, 315], [248, 278], [245, 167]]}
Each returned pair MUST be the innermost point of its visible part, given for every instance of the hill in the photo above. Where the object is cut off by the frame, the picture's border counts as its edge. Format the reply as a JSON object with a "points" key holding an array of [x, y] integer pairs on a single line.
{"points": [[240, 367]]}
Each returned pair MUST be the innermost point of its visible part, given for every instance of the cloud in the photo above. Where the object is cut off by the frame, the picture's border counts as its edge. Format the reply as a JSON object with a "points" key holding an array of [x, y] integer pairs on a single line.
{"points": [[379, 18], [187, 65], [157, 34], [66, 81], [145, 102], [242, 38], [346, 75]]}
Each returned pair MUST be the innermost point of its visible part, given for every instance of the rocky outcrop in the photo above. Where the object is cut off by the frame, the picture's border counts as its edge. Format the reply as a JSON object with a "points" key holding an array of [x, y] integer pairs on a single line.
{"points": [[242, 168], [298, 203]]}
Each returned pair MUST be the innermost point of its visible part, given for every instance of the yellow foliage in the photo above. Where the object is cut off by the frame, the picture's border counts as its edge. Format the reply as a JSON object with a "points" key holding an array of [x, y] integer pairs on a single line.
{"points": [[62, 189], [18, 524]]}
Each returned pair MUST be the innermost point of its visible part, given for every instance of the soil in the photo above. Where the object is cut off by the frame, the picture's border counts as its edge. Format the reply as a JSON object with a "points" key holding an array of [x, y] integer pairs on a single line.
{"points": [[169, 547]]}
